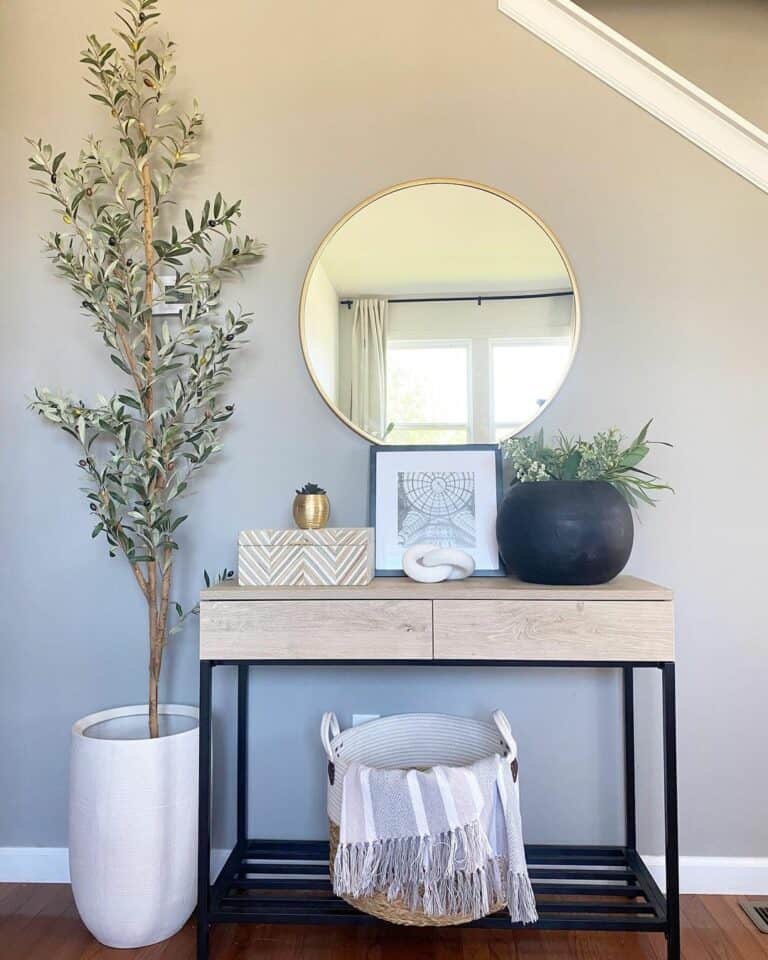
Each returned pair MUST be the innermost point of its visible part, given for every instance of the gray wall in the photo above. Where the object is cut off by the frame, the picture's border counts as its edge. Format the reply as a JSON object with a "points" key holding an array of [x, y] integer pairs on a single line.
{"points": [[310, 108]]}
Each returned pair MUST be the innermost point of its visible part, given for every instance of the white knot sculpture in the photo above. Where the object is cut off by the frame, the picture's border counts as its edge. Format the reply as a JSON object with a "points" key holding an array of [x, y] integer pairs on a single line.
{"points": [[430, 564]]}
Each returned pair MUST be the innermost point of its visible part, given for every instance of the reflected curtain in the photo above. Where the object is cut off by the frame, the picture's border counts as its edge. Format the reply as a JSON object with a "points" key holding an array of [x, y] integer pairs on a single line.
{"points": [[363, 364]]}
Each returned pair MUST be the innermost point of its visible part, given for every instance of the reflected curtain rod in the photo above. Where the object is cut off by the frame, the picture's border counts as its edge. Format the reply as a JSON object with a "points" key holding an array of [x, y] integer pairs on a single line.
{"points": [[478, 299]]}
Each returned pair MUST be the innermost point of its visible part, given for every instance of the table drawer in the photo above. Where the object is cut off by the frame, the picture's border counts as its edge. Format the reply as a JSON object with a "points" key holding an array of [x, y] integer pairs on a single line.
{"points": [[553, 630], [316, 630]]}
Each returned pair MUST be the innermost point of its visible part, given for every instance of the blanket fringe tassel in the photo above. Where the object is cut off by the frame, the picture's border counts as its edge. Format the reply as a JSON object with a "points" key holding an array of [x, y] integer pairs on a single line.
{"points": [[451, 874]]}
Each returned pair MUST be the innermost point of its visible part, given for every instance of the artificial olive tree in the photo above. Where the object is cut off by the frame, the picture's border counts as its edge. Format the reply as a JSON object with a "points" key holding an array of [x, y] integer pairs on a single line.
{"points": [[129, 259]]}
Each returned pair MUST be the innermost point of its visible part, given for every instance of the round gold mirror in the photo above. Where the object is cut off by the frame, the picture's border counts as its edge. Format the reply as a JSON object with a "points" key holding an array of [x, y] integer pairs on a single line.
{"points": [[439, 312]]}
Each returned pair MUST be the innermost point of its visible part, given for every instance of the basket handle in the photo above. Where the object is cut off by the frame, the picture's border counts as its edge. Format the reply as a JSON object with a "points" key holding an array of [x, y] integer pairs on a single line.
{"points": [[329, 728], [502, 725]]}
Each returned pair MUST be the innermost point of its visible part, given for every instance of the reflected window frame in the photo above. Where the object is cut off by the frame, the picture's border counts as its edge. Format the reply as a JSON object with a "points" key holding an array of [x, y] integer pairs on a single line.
{"points": [[512, 428], [438, 344]]}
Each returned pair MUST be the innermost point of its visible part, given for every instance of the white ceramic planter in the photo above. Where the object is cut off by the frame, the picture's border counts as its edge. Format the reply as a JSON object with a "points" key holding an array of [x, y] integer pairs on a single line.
{"points": [[133, 823]]}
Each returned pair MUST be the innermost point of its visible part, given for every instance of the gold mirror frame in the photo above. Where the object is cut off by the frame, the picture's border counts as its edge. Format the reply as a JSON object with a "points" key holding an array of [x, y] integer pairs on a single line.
{"points": [[404, 186]]}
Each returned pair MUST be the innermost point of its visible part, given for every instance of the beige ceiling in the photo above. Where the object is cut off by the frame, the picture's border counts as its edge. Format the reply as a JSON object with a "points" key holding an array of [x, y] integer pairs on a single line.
{"points": [[442, 238]]}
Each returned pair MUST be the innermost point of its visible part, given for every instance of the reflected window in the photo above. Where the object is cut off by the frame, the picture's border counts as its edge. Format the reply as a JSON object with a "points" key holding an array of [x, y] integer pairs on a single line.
{"points": [[525, 374], [419, 408]]}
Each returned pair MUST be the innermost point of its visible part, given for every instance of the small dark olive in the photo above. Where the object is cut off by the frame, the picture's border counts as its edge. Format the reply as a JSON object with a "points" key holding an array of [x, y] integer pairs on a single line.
{"points": [[142, 17], [229, 407], [53, 178], [112, 241], [129, 262], [236, 252], [81, 463], [89, 191], [230, 574], [87, 305], [211, 223], [93, 506], [230, 336]]}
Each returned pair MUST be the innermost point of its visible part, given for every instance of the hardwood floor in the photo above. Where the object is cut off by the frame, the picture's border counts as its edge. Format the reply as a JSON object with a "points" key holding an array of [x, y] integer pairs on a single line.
{"points": [[39, 922]]}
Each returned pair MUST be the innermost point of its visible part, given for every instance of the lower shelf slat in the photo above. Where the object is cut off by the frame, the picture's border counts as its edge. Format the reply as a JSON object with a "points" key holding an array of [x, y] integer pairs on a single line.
{"points": [[596, 888]]}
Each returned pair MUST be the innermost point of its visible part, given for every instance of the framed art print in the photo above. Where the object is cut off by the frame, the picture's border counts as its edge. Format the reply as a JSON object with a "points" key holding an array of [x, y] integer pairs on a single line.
{"points": [[444, 495]]}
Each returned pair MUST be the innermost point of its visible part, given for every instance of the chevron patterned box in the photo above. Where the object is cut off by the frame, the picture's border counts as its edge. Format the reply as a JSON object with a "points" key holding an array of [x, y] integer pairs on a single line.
{"points": [[333, 557]]}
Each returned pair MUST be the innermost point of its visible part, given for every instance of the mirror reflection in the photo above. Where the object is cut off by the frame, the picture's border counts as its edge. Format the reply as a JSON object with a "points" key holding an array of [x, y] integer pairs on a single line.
{"points": [[438, 313]]}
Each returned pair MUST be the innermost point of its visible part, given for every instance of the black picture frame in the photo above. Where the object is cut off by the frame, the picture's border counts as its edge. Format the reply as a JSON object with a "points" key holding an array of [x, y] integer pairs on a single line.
{"points": [[378, 449]]}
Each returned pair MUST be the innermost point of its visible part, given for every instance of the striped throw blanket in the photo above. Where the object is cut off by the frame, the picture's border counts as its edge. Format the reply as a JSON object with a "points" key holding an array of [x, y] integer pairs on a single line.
{"points": [[447, 841]]}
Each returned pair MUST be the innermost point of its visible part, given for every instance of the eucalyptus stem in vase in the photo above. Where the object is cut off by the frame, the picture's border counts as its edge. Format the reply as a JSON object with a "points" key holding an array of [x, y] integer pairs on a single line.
{"points": [[608, 457], [152, 293]]}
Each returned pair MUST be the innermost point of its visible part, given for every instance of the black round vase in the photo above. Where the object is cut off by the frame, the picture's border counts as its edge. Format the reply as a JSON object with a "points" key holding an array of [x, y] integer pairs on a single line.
{"points": [[564, 531]]}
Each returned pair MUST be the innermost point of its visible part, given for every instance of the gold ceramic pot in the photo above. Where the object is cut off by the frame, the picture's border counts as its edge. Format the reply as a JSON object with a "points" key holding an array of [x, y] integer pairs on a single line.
{"points": [[311, 510]]}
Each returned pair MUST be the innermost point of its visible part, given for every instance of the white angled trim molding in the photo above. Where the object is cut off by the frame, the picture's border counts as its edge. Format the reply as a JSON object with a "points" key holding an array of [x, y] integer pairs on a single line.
{"points": [[646, 81]]}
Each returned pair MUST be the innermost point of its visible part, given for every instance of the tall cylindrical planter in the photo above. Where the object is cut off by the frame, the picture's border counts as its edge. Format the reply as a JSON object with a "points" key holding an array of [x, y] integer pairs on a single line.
{"points": [[133, 823], [565, 531]]}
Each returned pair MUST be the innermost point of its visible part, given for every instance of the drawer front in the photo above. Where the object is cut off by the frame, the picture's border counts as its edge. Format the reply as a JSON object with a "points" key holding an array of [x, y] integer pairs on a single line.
{"points": [[553, 630], [316, 630]]}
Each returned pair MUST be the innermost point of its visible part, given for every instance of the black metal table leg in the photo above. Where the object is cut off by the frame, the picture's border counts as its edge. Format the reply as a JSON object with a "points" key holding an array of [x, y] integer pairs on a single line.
{"points": [[242, 754], [629, 759], [204, 812], [672, 851]]}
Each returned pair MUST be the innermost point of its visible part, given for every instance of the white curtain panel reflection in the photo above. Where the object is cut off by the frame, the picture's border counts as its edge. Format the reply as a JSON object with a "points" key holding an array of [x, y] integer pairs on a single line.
{"points": [[363, 364]]}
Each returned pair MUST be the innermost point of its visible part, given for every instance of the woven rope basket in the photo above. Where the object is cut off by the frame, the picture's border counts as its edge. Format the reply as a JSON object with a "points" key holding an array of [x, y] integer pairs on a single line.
{"points": [[407, 741]]}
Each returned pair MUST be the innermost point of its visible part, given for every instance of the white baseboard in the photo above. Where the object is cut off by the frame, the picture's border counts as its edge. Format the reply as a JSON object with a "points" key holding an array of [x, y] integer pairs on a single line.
{"points": [[34, 865], [747, 876], [51, 864], [739, 875]]}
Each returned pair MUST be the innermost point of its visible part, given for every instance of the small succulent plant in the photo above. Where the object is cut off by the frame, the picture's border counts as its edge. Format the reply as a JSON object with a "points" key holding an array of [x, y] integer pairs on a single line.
{"points": [[310, 488]]}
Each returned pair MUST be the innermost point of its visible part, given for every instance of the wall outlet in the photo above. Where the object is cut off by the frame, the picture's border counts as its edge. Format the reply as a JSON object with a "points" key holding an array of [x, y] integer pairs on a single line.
{"points": [[358, 718]]}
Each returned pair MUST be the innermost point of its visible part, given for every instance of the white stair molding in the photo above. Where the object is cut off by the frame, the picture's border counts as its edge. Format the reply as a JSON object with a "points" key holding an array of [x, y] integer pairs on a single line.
{"points": [[646, 81]]}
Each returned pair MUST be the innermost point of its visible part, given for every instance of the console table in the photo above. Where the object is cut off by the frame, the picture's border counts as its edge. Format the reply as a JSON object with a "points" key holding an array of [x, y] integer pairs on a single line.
{"points": [[622, 625]]}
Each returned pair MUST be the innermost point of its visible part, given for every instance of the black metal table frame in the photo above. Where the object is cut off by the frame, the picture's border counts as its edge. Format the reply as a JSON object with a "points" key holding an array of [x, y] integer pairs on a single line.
{"points": [[258, 884]]}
